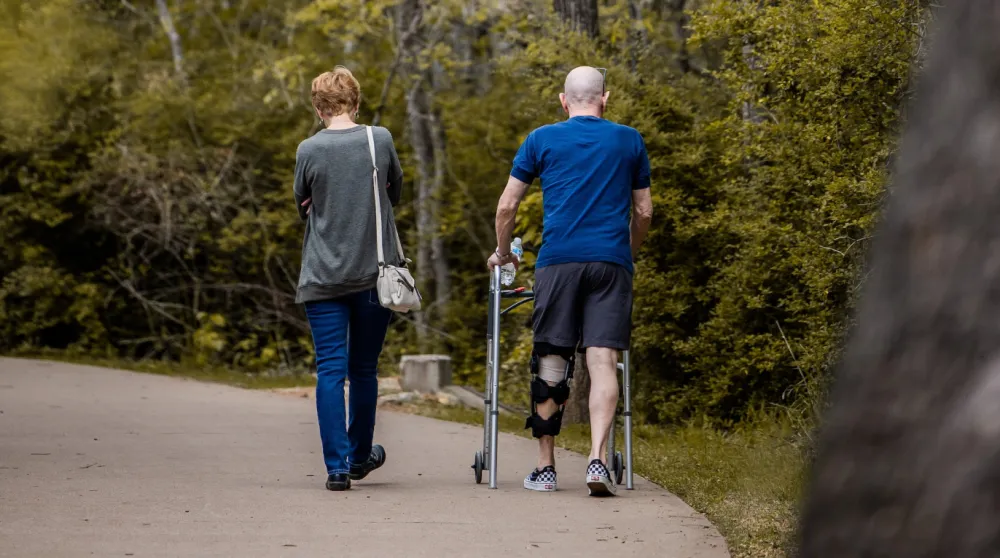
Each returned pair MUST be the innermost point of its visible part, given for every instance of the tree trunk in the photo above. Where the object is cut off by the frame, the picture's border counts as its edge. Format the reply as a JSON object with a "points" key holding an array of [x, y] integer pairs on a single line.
{"points": [[13, 14], [637, 35], [177, 53], [442, 273], [749, 111], [428, 142], [423, 149], [410, 15], [906, 463], [581, 15], [175, 39], [578, 405], [681, 33]]}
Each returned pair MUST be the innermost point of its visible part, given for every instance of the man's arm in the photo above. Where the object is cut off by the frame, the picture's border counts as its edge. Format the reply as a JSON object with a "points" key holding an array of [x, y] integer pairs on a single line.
{"points": [[642, 200], [510, 200], [522, 173], [642, 215]]}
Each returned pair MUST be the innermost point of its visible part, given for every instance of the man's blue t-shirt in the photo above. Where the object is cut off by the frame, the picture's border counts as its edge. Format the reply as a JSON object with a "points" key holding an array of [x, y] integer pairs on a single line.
{"points": [[588, 167]]}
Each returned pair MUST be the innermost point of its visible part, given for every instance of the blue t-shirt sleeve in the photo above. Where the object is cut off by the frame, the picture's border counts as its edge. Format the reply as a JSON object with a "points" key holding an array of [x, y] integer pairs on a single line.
{"points": [[525, 166], [640, 178]]}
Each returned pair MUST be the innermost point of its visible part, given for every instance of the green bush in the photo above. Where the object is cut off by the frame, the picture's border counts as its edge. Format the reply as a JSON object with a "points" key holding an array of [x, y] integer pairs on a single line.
{"points": [[146, 207]]}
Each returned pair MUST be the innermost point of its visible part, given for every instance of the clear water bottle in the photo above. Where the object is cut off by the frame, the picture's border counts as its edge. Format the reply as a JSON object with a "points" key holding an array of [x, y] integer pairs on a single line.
{"points": [[507, 271]]}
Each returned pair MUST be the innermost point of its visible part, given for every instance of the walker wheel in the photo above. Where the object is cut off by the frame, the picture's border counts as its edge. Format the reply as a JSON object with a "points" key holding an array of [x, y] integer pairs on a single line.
{"points": [[477, 467], [619, 467]]}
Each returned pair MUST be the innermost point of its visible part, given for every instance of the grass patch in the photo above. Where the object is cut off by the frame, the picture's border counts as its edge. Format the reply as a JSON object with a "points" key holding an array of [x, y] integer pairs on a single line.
{"points": [[214, 374], [748, 483]]}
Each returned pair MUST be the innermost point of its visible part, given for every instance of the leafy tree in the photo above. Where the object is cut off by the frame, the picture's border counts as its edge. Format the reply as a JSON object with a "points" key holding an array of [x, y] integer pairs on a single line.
{"points": [[147, 153]]}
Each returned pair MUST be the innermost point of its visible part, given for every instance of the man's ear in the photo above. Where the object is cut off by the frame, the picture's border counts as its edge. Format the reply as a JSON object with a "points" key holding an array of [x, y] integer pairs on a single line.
{"points": [[604, 99], [562, 101]]}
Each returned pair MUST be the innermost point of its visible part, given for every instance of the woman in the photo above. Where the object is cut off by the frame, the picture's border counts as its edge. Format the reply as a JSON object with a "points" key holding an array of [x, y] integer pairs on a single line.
{"points": [[333, 190]]}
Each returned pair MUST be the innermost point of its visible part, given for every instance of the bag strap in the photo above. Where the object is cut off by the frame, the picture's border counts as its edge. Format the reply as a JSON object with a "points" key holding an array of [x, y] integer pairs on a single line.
{"points": [[378, 205]]}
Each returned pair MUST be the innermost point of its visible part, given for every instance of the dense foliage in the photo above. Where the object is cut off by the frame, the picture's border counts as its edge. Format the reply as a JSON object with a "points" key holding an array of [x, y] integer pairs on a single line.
{"points": [[146, 153]]}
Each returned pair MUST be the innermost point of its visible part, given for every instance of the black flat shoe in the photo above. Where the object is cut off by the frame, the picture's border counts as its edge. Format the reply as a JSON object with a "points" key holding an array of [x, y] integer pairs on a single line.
{"points": [[338, 482], [375, 460]]}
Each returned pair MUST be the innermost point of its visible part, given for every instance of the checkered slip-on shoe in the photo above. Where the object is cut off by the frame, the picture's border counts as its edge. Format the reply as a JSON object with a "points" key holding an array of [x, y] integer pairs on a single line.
{"points": [[542, 481], [599, 480]]}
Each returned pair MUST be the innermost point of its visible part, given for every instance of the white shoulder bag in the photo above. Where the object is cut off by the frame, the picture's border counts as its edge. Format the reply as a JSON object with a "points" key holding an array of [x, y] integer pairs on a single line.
{"points": [[396, 288]]}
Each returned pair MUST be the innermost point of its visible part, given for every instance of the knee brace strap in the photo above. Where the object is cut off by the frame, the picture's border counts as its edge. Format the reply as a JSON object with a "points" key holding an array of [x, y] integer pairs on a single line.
{"points": [[544, 427], [553, 364], [553, 369], [542, 391]]}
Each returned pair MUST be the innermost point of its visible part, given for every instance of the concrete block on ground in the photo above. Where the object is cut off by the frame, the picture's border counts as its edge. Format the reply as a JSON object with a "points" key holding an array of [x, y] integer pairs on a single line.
{"points": [[425, 373], [474, 399]]}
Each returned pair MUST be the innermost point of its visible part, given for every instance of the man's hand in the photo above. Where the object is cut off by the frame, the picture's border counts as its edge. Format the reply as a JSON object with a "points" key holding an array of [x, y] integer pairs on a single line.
{"points": [[496, 259], [308, 205]]}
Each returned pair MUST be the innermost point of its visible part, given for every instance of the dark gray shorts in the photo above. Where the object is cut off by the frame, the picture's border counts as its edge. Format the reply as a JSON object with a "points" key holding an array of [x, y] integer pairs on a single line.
{"points": [[583, 305]]}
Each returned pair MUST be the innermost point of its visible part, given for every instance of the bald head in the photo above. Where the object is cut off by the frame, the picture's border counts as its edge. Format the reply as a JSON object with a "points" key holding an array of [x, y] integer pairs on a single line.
{"points": [[584, 87]]}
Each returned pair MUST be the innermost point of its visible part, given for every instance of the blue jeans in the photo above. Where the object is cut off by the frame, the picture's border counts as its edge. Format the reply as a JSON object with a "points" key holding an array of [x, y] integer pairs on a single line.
{"points": [[348, 333]]}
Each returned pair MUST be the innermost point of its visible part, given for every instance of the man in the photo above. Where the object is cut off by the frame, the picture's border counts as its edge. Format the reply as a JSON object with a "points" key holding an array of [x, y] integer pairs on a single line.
{"points": [[593, 172]]}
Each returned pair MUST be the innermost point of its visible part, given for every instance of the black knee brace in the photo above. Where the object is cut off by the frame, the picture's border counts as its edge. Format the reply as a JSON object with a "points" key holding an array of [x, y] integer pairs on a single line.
{"points": [[541, 392], [544, 349], [544, 427]]}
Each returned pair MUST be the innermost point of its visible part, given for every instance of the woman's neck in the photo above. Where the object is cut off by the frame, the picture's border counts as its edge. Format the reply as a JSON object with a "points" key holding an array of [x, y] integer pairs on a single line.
{"points": [[340, 122]]}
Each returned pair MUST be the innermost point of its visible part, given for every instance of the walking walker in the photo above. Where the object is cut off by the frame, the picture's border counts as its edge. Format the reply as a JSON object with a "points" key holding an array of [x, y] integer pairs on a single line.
{"points": [[486, 459]]}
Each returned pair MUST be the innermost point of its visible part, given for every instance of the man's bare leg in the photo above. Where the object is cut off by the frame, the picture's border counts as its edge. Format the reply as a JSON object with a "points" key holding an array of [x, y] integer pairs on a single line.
{"points": [[602, 364]]}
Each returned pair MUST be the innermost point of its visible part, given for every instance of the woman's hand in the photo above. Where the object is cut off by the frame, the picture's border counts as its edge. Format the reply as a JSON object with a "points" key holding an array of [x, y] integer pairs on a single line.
{"points": [[308, 205]]}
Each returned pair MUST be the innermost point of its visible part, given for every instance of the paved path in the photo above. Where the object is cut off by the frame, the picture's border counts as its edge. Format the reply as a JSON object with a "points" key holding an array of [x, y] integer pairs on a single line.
{"points": [[97, 462]]}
